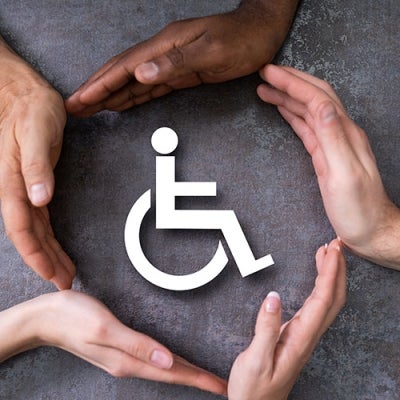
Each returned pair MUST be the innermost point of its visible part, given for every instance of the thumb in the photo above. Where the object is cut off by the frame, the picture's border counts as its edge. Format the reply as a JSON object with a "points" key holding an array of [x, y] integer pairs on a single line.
{"points": [[38, 155], [175, 63], [267, 332]]}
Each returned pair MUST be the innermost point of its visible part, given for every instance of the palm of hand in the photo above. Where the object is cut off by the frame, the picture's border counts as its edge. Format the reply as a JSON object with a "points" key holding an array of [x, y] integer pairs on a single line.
{"points": [[31, 129]]}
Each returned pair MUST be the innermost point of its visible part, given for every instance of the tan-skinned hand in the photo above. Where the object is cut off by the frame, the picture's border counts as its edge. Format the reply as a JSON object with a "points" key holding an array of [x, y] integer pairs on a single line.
{"points": [[32, 119]]}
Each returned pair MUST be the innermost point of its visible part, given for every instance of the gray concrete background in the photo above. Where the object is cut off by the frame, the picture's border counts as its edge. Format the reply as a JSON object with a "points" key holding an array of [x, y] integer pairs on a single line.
{"points": [[229, 136]]}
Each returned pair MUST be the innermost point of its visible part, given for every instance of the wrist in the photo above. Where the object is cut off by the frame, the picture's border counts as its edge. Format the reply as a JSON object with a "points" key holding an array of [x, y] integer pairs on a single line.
{"points": [[271, 19], [382, 245], [17, 77], [19, 328]]}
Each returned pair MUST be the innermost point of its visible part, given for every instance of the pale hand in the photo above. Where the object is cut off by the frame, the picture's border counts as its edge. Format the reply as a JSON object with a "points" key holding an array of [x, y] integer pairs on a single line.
{"points": [[268, 369], [83, 326], [352, 191]]}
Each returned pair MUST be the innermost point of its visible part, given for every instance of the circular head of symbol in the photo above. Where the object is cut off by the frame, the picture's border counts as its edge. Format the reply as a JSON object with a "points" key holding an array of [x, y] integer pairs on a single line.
{"points": [[164, 140]]}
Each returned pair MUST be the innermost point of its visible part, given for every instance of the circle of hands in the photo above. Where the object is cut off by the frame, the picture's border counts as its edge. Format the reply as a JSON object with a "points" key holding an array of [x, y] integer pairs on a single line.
{"points": [[185, 54]]}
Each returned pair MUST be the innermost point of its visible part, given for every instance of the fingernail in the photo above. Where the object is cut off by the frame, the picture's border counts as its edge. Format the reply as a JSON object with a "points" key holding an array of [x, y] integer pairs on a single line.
{"points": [[38, 193], [326, 246], [273, 303], [148, 71], [161, 359], [328, 113]]}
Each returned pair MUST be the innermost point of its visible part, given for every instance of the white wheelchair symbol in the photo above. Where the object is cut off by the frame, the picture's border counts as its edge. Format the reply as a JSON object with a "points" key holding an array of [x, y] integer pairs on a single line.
{"points": [[165, 141]]}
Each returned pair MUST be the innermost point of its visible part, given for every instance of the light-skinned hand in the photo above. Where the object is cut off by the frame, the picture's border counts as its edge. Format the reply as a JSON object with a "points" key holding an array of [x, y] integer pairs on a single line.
{"points": [[352, 191], [187, 53], [32, 119], [83, 326], [269, 367]]}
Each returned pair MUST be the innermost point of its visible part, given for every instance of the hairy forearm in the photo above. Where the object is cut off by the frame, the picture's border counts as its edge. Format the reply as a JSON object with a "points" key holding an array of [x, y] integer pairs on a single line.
{"points": [[18, 328], [15, 73], [384, 246]]}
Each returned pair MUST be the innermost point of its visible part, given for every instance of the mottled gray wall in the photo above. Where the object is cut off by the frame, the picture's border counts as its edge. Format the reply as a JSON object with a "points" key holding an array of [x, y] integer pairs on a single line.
{"points": [[229, 136]]}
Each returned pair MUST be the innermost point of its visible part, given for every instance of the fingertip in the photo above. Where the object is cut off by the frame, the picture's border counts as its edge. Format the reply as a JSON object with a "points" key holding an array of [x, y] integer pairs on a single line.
{"points": [[273, 303], [40, 194], [336, 244]]}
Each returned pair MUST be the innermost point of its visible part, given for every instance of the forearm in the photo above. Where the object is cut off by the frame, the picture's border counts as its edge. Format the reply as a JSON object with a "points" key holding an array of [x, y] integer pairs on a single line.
{"points": [[19, 328], [280, 11], [383, 247], [15, 72]]}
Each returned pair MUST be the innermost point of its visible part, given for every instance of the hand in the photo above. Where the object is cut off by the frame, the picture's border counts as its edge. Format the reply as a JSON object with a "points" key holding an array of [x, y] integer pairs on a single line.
{"points": [[354, 197], [268, 369], [83, 326], [187, 53], [32, 119]]}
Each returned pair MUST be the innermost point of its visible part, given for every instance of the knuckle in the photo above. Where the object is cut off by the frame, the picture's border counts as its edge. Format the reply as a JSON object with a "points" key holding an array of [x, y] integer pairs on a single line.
{"points": [[326, 86], [117, 371], [176, 57], [136, 349], [34, 168], [100, 328]]}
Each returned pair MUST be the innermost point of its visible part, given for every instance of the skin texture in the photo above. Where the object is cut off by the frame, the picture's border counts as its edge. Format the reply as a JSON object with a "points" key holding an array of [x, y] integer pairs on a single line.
{"points": [[32, 119], [187, 53], [268, 369], [32, 113], [83, 326], [357, 205]]}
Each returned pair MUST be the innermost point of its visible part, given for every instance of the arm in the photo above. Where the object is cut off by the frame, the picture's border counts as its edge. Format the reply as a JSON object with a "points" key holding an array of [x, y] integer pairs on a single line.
{"points": [[83, 326], [355, 200], [187, 53], [268, 369], [32, 119]]}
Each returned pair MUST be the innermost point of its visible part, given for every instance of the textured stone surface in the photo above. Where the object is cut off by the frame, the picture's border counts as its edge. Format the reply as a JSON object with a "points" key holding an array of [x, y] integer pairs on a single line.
{"points": [[229, 136]]}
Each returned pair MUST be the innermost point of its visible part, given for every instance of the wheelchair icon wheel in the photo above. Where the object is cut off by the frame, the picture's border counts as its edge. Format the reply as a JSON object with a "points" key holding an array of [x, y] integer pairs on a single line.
{"points": [[153, 274]]}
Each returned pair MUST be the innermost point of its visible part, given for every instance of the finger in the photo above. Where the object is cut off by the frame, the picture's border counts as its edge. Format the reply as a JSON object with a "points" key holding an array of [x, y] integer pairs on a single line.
{"points": [[175, 63], [327, 298], [278, 98], [303, 331], [262, 347], [333, 139], [121, 364], [138, 345], [323, 85], [133, 94], [297, 88], [302, 129], [19, 226], [37, 139], [115, 74], [64, 269]]}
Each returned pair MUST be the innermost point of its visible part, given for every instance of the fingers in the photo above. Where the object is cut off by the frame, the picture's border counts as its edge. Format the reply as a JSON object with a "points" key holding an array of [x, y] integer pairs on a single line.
{"points": [[181, 372], [177, 62], [139, 346], [126, 353], [30, 231], [302, 333], [36, 166], [262, 347]]}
